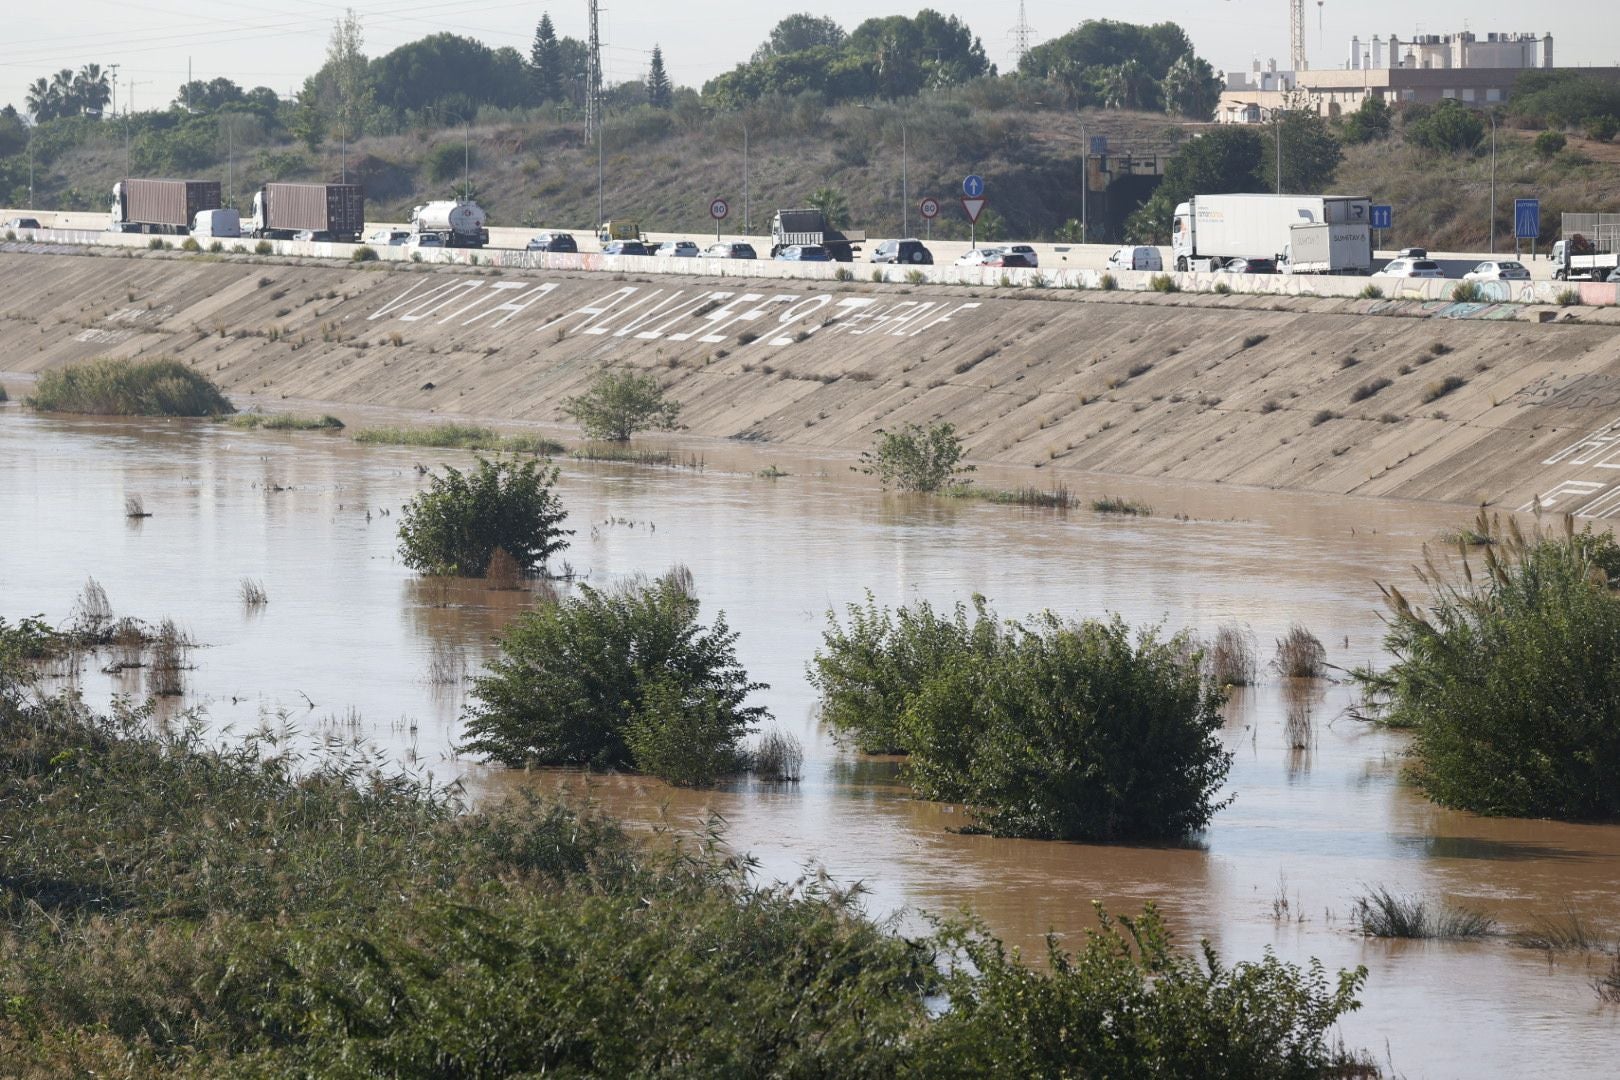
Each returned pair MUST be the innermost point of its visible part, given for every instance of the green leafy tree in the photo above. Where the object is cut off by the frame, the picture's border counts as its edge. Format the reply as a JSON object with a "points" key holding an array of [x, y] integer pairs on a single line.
{"points": [[799, 33], [545, 58], [1603, 128], [831, 202], [660, 94], [1449, 127], [916, 458], [1191, 88], [594, 679], [1129, 1003], [1510, 680], [456, 526], [1129, 86], [1310, 153], [1549, 144], [619, 404], [1371, 122]]}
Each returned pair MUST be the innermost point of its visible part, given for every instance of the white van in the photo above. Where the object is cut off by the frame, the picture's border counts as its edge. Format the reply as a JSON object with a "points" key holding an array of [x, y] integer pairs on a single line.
{"points": [[1140, 257]]}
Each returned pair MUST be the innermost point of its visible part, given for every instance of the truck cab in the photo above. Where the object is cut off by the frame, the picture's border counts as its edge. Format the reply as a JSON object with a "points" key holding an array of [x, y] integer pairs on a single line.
{"points": [[620, 230]]}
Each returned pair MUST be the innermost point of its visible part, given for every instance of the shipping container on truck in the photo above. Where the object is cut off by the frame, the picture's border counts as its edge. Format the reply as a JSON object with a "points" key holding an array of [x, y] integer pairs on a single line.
{"points": [[161, 206], [324, 211], [1212, 230], [793, 228], [1588, 249]]}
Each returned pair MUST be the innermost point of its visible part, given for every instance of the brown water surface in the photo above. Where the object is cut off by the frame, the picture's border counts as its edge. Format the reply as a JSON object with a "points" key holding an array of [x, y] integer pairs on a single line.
{"points": [[347, 642]]}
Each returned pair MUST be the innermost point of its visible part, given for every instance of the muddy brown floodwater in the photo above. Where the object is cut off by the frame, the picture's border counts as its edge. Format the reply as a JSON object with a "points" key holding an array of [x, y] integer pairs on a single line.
{"points": [[348, 629]]}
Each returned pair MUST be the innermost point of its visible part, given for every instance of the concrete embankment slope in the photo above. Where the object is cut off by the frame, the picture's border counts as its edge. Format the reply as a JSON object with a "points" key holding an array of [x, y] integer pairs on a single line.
{"points": [[1337, 396]]}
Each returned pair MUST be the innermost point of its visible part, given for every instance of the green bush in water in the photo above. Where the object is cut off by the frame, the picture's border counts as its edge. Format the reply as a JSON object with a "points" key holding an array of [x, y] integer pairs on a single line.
{"points": [[455, 527], [108, 387]]}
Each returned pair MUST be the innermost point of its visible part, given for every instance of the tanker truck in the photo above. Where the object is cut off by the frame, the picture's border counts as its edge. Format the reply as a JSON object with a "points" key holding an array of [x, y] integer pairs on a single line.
{"points": [[449, 224], [308, 212], [160, 206]]}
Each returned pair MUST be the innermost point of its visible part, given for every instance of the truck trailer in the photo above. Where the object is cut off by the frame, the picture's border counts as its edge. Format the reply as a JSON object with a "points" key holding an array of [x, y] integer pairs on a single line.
{"points": [[161, 206], [450, 224], [1588, 248], [1213, 230], [790, 228], [308, 211]]}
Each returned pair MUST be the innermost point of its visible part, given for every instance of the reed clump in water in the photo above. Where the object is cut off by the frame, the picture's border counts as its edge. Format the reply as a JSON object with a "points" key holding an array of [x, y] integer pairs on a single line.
{"points": [[1564, 931], [285, 422], [1382, 913], [459, 437], [165, 671], [1058, 498], [1300, 655], [780, 756], [1230, 659], [108, 387], [1117, 504], [135, 507], [252, 593]]}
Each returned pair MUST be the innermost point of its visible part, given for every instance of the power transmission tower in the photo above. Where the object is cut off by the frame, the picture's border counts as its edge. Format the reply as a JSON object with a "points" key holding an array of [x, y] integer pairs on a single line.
{"points": [[1021, 35], [593, 75], [1296, 34]]}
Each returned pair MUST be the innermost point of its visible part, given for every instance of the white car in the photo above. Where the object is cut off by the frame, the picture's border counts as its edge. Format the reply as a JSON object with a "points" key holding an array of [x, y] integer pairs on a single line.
{"points": [[1507, 270], [1413, 268], [389, 237], [679, 249], [985, 256]]}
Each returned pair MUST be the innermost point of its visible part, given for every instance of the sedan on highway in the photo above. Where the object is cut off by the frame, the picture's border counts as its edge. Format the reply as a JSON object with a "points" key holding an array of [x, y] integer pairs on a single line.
{"points": [[1413, 268], [23, 223], [677, 249], [1506, 270], [1020, 255], [803, 253], [624, 247], [561, 242], [985, 256], [731, 250], [1250, 266]]}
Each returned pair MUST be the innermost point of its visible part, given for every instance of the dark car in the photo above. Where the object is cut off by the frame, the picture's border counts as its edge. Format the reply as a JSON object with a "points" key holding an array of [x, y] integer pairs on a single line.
{"points": [[728, 250], [1251, 266], [804, 253], [555, 241], [625, 247], [903, 251]]}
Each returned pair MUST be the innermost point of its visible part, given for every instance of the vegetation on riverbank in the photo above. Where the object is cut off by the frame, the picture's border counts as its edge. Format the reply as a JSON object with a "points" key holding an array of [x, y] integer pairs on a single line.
{"points": [[1510, 679], [285, 422], [175, 905], [452, 436], [984, 708], [108, 387]]}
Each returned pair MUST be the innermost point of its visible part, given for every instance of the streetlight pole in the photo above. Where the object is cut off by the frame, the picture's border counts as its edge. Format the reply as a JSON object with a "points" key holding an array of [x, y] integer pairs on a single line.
{"points": [[30, 166], [905, 192], [1276, 122], [601, 214], [748, 224], [1492, 114]]}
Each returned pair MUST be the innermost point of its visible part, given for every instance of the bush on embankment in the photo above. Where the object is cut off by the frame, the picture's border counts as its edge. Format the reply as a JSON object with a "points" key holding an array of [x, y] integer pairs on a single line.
{"points": [[623, 678], [1046, 729], [175, 906], [109, 387], [1510, 680]]}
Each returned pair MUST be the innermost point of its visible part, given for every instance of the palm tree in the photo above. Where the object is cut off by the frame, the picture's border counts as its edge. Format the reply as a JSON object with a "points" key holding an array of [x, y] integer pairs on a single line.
{"points": [[1128, 86], [91, 89], [62, 90], [41, 103]]}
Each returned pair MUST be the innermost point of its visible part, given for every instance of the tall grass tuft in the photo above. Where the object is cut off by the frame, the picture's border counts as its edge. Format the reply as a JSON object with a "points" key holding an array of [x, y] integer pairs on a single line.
{"points": [[460, 437], [1058, 498], [252, 593], [1381, 913], [1118, 504], [1565, 931], [1607, 985], [780, 756], [92, 611], [1231, 659], [1300, 655], [108, 387], [135, 507], [285, 422], [503, 572], [164, 674]]}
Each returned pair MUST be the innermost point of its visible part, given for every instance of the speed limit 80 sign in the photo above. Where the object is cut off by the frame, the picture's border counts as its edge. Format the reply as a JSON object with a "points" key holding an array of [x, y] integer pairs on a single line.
{"points": [[929, 208], [719, 208]]}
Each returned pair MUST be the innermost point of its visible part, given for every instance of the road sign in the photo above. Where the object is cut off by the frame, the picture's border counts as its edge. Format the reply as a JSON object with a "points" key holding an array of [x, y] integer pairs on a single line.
{"points": [[719, 209], [1383, 217], [1526, 219], [973, 186], [1099, 146], [974, 208], [929, 208]]}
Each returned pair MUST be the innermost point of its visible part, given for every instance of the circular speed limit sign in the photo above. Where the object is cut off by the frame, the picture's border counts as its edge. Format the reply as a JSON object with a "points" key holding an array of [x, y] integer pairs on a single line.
{"points": [[719, 209], [929, 208]]}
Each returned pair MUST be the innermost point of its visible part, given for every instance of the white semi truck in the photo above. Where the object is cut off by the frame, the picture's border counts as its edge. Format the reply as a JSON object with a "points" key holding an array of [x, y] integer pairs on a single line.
{"points": [[1301, 234], [450, 224]]}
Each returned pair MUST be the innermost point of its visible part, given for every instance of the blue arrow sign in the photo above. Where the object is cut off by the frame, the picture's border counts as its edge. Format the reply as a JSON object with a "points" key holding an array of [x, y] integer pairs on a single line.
{"points": [[1383, 217], [973, 186], [1526, 219]]}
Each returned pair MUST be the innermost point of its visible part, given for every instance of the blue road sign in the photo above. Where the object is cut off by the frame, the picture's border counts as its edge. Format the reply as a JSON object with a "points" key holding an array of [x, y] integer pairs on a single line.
{"points": [[973, 186], [1526, 219], [1383, 217]]}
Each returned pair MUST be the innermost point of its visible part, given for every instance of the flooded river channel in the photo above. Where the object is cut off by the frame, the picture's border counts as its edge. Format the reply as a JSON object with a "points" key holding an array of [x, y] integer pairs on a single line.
{"points": [[349, 638]]}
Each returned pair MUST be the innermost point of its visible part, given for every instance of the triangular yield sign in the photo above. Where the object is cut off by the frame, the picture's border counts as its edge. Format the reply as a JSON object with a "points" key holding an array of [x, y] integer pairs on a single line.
{"points": [[974, 207]]}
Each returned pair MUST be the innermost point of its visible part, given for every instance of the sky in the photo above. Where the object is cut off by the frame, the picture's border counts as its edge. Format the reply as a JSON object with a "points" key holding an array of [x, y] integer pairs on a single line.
{"points": [[277, 43]]}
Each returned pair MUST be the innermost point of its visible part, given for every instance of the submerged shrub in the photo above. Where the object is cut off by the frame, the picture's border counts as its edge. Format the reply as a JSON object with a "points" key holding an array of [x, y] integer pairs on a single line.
{"points": [[916, 458], [1046, 729], [108, 387], [1510, 679], [623, 678], [1382, 913], [455, 526], [619, 404]]}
